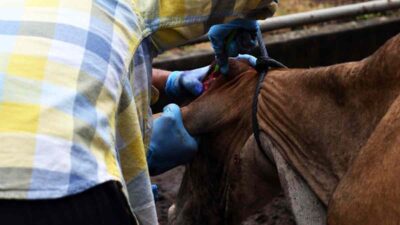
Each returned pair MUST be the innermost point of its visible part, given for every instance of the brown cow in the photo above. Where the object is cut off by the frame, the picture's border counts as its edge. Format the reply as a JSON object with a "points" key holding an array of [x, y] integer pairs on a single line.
{"points": [[337, 126]]}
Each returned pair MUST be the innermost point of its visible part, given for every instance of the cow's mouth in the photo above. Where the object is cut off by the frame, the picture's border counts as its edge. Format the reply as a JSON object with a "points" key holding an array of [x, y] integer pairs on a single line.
{"points": [[210, 78]]}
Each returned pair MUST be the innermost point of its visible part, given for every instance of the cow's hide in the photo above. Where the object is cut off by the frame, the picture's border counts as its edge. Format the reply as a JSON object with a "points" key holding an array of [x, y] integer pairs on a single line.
{"points": [[319, 120]]}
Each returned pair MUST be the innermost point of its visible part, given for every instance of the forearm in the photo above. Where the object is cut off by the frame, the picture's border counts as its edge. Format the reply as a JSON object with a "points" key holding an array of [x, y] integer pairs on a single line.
{"points": [[178, 86], [159, 78]]}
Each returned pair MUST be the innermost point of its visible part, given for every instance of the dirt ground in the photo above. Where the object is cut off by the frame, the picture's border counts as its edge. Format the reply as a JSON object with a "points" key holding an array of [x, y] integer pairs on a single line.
{"points": [[275, 213], [295, 6], [168, 186]]}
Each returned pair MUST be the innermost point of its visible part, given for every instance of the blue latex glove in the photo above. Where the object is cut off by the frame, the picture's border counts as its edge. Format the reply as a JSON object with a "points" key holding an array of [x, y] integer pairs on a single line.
{"points": [[154, 189], [170, 144], [181, 83], [228, 40], [251, 59]]}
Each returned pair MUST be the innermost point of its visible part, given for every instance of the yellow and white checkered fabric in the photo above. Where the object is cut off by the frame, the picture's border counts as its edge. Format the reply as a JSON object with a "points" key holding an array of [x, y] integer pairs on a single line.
{"points": [[74, 87]]}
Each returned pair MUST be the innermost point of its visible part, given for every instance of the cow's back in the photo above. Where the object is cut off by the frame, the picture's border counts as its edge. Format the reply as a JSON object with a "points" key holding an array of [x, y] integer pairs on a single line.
{"points": [[369, 193], [320, 118]]}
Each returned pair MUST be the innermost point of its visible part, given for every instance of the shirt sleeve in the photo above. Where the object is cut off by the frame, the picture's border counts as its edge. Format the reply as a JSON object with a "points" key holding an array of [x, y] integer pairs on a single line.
{"points": [[174, 22]]}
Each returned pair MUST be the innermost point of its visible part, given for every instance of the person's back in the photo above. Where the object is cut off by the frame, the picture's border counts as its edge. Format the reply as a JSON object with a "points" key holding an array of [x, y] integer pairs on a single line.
{"points": [[63, 71]]}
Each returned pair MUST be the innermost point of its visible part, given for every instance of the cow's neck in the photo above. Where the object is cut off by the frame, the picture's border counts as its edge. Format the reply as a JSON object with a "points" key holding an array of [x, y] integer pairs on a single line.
{"points": [[320, 118], [222, 116]]}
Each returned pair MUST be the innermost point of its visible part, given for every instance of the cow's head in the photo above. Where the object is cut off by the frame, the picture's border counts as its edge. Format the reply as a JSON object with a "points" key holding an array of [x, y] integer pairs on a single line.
{"points": [[229, 178]]}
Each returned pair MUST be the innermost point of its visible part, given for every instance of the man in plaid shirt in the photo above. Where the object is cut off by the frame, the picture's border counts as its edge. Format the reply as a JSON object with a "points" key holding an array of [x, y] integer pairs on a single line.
{"points": [[75, 91]]}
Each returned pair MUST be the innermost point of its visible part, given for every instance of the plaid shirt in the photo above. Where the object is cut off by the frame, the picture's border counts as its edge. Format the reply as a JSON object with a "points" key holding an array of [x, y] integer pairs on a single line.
{"points": [[75, 89]]}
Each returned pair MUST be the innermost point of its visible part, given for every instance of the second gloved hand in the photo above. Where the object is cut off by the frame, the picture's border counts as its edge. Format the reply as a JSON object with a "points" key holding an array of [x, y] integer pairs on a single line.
{"points": [[170, 144], [181, 83], [250, 59], [231, 39]]}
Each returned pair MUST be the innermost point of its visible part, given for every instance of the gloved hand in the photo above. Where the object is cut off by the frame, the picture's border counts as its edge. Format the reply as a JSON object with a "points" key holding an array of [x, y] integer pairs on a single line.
{"points": [[180, 83], [170, 144], [154, 189], [250, 59], [228, 40]]}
